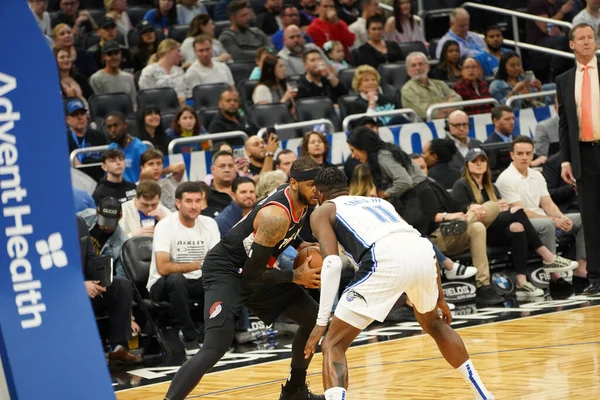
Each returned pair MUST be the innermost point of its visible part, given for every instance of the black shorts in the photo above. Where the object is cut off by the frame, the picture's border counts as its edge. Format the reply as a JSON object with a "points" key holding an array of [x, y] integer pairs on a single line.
{"points": [[225, 294]]}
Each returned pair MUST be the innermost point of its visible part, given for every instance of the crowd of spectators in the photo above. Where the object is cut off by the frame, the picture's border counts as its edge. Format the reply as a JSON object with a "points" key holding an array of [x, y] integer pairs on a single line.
{"points": [[302, 50]]}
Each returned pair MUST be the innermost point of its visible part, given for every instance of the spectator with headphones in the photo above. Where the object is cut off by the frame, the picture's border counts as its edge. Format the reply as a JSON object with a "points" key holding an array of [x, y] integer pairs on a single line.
{"points": [[457, 125]]}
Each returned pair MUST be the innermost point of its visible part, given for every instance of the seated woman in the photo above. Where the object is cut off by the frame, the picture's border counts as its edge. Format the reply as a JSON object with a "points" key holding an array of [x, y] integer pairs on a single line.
{"points": [[448, 70], [203, 25], [149, 127], [472, 87], [437, 155], [372, 98], [62, 34], [72, 83], [396, 177], [316, 146], [511, 81], [377, 50], [187, 124], [404, 26], [272, 87], [512, 226], [163, 15], [164, 70]]}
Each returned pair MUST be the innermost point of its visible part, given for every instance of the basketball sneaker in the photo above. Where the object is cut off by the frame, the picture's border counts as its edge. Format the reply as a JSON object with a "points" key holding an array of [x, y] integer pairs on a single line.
{"points": [[303, 393], [460, 271], [528, 290], [560, 264]]}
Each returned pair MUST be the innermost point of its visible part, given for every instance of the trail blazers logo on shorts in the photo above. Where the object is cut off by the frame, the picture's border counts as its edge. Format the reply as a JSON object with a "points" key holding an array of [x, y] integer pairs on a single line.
{"points": [[215, 309], [353, 294]]}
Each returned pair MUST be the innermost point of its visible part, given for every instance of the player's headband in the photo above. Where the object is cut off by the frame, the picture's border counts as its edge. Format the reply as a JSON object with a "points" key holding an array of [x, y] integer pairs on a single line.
{"points": [[302, 176]]}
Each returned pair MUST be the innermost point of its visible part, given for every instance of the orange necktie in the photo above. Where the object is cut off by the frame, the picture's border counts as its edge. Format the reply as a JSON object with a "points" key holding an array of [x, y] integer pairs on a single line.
{"points": [[587, 129]]}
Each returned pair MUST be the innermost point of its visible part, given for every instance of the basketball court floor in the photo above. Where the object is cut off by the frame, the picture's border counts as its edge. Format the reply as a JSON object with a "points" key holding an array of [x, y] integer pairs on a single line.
{"points": [[536, 351]]}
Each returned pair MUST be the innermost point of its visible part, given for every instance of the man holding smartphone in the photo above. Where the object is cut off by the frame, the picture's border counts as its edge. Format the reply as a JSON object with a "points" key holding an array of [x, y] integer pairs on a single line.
{"points": [[261, 154]]}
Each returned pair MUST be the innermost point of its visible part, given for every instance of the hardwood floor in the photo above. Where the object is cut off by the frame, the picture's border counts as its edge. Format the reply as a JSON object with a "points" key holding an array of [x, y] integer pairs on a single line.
{"points": [[547, 357]]}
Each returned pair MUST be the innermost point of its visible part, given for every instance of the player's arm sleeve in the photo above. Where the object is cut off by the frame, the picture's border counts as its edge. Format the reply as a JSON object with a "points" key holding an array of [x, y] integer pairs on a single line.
{"points": [[257, 271], [330, 282]]}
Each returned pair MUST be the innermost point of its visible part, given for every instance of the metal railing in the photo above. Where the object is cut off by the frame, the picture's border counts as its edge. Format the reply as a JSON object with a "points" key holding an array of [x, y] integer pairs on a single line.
{"points": [[512, 99], [457, 104], [95, 149], [301, 124], [402, 111], [515, 27], [205, 138]]}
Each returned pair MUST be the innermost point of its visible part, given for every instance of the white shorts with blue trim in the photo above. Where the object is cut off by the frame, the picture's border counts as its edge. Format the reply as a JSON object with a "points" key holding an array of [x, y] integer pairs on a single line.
{"points": [[403, 264]]}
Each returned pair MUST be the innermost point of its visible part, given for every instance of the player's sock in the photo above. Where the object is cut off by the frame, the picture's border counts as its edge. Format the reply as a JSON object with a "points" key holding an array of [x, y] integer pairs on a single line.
{"points": [[296, 380], [470, 375], [335, 393]]}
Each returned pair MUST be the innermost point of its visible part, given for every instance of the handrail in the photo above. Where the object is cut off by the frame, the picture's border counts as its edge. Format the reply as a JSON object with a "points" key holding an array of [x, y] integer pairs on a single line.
{"points": [[456, 104], [512, 99], [535, 47], [386, 7], [205, 138], [301, 124], [96, 149], [405, 111], [519, 14]]}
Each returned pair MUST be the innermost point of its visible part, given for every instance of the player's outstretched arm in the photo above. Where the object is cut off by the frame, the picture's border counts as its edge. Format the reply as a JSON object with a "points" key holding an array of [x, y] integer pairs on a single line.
{"points": [[321, 223]]}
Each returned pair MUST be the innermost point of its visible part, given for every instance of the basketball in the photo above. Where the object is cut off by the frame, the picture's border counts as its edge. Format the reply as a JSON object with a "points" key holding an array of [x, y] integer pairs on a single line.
{"points": [[315, 252]]}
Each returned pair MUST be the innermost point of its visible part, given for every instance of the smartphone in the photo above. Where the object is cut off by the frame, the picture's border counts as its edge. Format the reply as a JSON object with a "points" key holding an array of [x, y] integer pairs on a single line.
{"points": [[238, 153], [270, 131], [529, 76]]}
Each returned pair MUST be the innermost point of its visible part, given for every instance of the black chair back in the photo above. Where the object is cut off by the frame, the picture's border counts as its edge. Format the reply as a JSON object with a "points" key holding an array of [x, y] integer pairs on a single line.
{"points": [[179, 32], [344, 103], [163, 98], [102, 104], [208, 95], [393, 74], [316, 108], [136, 254], [240, 71], [246, 88], [207, 115]]}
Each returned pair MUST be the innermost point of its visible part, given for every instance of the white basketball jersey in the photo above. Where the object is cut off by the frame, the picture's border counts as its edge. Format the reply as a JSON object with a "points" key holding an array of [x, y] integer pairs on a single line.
{"points": [[362, 221]]}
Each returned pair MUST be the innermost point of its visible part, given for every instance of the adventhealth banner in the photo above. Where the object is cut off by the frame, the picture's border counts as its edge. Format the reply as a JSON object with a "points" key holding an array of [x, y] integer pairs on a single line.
{"points": [[49, 343], [410, 137]]}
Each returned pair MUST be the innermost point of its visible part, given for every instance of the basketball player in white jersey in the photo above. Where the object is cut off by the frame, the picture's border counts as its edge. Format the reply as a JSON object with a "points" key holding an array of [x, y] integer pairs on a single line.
{"points": [[393, 259]]}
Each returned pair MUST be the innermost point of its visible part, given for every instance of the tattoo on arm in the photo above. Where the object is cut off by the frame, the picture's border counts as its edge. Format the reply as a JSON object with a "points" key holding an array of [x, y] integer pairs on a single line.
{"points": [[271, 228], [342, 374]]}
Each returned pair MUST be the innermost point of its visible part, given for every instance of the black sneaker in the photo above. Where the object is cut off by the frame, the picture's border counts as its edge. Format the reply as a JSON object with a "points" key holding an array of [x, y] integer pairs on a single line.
{"points": [[560, 288], [487, 296], [189, 345], [592, 289], [302, 394], [579, 284], [454, 228]]}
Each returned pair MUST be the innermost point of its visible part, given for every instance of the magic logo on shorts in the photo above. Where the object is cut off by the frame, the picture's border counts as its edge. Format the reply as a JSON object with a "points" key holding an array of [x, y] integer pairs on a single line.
{"points": [[215, 309], [353, 294]]}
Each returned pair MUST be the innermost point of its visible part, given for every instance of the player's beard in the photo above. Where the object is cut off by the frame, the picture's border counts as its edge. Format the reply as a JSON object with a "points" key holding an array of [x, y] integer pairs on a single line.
{"points": [[304, 200]]}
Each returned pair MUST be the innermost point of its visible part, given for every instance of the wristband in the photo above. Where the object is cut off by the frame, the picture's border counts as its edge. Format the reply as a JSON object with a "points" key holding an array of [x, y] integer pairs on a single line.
{"points": [[269, 154]]}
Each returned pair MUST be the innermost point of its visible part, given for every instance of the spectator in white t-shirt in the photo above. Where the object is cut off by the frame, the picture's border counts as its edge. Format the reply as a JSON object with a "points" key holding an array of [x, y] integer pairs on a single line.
{"points": [[181, 241], [205, 69], [141, 214]]}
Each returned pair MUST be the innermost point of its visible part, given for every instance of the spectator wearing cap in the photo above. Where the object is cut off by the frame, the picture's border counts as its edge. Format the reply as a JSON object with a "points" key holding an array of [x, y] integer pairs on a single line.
{"points": [[80, 20], [320, 78], [131, 147], [351, 163], [240, 39], [117, 10], [205, 69], [80, 135], [108, 33], [469, 42], [179, 247], [146, 45], [163, 15], [116, 298], [113, 184], [111, 79], [169, 178], [503, 118], [107, 237], [327, 26], [141, 214], [290, 16]]}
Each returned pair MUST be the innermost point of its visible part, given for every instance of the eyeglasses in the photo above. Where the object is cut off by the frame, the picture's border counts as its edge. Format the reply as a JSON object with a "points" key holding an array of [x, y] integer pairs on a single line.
{"points": [[461, 126]]}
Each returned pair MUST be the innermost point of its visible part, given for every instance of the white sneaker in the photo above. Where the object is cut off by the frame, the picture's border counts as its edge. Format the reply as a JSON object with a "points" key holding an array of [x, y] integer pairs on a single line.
{"points": [[560, 264], [460, 271], [528, 290]]}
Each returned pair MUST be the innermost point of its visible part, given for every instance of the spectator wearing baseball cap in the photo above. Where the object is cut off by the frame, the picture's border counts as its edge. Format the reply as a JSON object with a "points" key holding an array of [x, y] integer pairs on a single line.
{"points": [[112, 78], [147, 44], [80, 135], [108, 32], [105, 232]]}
